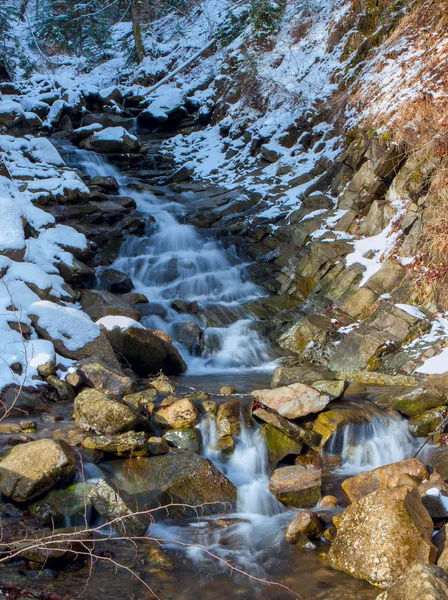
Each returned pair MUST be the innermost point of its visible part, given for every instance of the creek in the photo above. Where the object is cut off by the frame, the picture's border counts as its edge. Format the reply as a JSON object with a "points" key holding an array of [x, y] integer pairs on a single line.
{"points": [[174, 261]]}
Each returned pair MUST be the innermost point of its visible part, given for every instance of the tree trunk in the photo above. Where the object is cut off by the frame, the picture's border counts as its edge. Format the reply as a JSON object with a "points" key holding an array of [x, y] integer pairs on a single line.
{"points": [[140, 16]]}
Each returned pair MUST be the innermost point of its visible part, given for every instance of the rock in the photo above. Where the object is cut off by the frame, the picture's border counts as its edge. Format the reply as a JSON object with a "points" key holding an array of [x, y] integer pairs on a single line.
{"points": [[293, 401], [185, 439], [278, 444], [228, 418], [82, 133], [341, 413], [62, 504], [65, 391], [163, 385], [131, 443], [294, 431], [334, 389], [305, 525], [328, 502], [358, 302], [181, 414], [158, 560], [115, 281], [65, 544], [96, 411], [375, 378], [181, 174], [434, 494], [415, 401], [284, 376], [98, 374], [76, 272], [101, 303], [182, 477], [140, 400], [387, 278], [381, 535], [119, 508], [226, 445], [157, 446], [383, 478], [10, 113], [114, 140], [75, 380], [227, 390], [297, 485], [146, 352], [107, 184], [419, 582], [427, 423], [30, 469], [190, 335]]}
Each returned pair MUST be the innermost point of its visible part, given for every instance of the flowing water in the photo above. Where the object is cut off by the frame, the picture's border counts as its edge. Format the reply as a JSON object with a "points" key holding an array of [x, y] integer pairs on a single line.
{"points": [[177, 263]]}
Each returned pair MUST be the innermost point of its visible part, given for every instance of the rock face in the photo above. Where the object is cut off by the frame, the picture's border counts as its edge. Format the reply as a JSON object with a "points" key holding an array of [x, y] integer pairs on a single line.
{"points": [[33, 468], [420, 582], [297, 485], [95, 411], [382, 478], [293, 401], [380, 536], [181, 414], [178, 477], [146, 352]]}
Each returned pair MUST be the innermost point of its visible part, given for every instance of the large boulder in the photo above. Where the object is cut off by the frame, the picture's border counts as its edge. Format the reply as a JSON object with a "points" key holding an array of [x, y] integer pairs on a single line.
{"points": [[146, 352], [381, 535], [293, 401], [33, 468], [382, 478], [419, 582], [180, 477], [101, 303], [415, 401], [297, 485], [111, 381], [181, 414], [96, 411], [115, 140]]}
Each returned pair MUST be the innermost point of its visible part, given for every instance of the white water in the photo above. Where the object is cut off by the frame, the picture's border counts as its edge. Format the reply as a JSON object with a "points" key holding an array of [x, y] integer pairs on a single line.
{"points": [[176, 261], [383, 440]]}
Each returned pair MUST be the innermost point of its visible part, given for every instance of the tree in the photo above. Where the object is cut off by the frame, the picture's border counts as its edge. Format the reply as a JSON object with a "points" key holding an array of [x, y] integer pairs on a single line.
{"points": [[140, 16]]}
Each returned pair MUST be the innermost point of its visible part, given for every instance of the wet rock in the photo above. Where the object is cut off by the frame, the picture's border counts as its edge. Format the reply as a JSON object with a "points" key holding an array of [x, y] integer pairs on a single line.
{"points": [[140, 400], [108, 184], [131, 443], [278, 444], [294, 431], [297, 485], [63, 504], [376, 378], [329, 421], [181, 414], [334, 389], [65, 391], [65, 544], [328, 502], [146, 352], [118, 508], [305, 525], [227, 390], [383, 477], [190, 335], [284, 376], [381, 535], [163, 385], [98, 374], [428, 422], [415, 401], [33, 468], [101, 303], [228, 418], [76, 272], [156, 559], [226, 445], [185, 439], [181, 477], [434, 494], [157, 446], [419, 582], [114, 140], [115, 281], [96, 411], [293, 401]]}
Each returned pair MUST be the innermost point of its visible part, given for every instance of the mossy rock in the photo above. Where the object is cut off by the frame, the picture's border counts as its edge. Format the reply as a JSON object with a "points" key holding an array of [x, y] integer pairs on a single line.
{"points": [[415, 401], [278, 444], [427, 423]]}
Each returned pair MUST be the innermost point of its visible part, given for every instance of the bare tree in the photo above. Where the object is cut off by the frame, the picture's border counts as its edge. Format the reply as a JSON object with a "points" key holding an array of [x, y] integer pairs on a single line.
{"points": [[140, 15]]}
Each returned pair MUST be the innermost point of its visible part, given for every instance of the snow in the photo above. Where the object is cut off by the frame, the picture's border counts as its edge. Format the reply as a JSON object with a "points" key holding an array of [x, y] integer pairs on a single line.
{"points": [[412, 310], [12, 236], [10, 107], [435, 365], [117, 322], [113, 134], [43, 150], [68, 325]]}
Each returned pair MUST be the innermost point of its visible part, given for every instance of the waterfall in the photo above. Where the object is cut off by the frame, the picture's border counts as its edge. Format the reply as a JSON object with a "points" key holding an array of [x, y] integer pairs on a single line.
{"points": [[175, 261]]}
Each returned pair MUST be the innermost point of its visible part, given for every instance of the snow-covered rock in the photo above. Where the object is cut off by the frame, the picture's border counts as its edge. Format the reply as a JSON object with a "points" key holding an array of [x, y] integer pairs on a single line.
{"points": [[114, 139]]}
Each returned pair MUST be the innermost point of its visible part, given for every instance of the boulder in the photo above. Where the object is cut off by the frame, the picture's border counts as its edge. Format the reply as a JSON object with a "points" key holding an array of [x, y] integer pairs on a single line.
{"points": [[190, 335], [131, 443], [376, 378], [99, 375], [67, 543], [185, 439], [341, 413], [294, 431], [293, 401], [334, 389], [10, 113], [76, 272], [140, 400], [414, 401], [227, 390], [228, 418], [381, 535], [64, 390], [383, 478], [146, 352], [163, 385], [118, 508], [297, 485], [66, 503], [180, 477], [96, 411], [114, 140], [101, 303], [181, 414], [305, 525], [428, 422], [278, 444], [419, 582], [30, 469], [157, 446], [115, 281]]}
